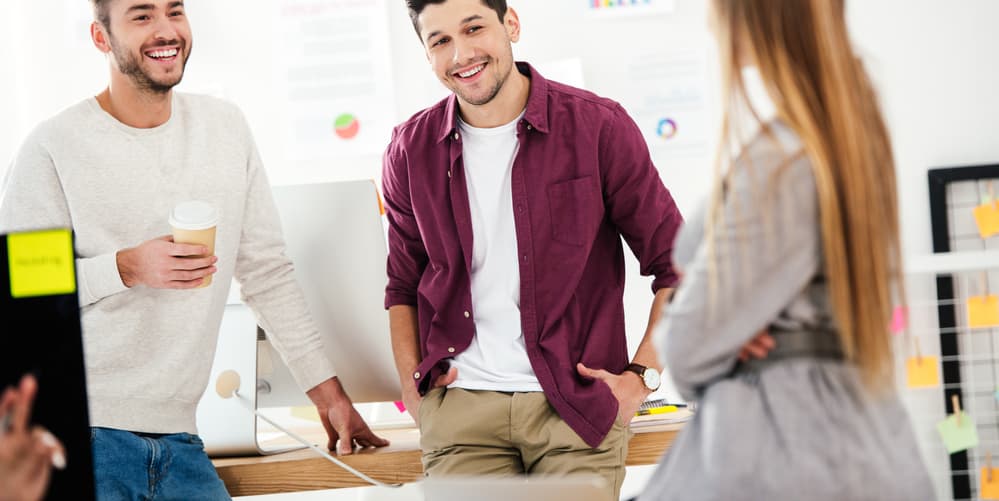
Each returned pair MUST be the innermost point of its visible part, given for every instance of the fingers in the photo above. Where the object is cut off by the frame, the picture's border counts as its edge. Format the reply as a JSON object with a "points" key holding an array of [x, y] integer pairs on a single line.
{"points": [[346, 444], [188, 250], [367, 438], [758, 347], [58, 451], [592, 373], [764, 339], [6, 405], [324, 418], [48, 448], [24, 396], [446, 379], [193, 263]]}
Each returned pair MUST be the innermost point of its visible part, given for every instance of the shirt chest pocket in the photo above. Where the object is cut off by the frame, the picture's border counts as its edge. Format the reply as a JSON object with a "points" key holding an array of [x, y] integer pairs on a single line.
{"points": [[573, 205]]}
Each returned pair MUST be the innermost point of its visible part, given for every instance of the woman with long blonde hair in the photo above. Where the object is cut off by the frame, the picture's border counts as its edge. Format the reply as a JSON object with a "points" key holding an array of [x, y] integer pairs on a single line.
{"points": [[800, 239]]}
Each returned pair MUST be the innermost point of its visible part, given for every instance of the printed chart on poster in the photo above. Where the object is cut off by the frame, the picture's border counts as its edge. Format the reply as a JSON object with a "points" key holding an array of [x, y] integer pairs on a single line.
{"points": [[670, 102], [333, 68]]}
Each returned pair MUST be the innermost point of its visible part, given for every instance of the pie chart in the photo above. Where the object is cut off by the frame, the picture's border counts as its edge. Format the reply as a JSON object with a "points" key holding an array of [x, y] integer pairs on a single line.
{"points": [[346, 126], [666, 128]]}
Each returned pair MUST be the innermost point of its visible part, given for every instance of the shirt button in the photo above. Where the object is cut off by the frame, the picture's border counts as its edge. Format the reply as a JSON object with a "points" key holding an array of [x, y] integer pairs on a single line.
{"points": [[520, 209], [529, 127], [467, 314], [457, 136], [451, 349], [416, 375], [525, 257], [449, 173]]}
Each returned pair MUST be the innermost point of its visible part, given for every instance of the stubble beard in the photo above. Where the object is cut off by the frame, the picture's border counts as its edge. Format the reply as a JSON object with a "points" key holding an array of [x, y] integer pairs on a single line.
{"points": [[131, 66]]}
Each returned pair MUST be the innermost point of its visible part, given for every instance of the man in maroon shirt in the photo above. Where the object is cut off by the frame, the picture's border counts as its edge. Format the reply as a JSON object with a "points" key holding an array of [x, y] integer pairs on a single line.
{"points": [[506, 205]]}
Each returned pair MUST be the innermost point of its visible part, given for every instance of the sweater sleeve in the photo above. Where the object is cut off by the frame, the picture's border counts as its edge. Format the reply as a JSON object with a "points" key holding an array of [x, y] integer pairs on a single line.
{"points": [[268, 284], [766, 250], [33, 199]]}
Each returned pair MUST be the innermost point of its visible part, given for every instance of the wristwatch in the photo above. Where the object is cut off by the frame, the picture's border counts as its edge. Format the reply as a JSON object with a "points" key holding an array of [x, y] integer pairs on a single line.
{"points": [[649, 376]]}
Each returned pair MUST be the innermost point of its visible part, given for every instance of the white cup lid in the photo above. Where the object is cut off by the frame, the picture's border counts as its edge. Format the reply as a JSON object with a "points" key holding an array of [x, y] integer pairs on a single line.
{"points": [[194, 215]]}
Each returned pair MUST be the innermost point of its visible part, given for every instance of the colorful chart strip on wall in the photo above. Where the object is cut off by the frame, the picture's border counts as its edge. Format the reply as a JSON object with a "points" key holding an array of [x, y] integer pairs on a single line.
{"points": [[626, 8]]}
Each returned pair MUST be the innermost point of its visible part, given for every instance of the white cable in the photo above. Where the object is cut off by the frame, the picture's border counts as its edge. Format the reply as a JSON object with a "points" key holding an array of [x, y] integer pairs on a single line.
{"points": [[227, 386], [320, 451]]}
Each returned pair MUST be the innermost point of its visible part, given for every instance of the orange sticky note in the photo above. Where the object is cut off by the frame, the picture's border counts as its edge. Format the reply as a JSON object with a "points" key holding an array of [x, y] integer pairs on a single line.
{"points": [[923, 372], [987, 217], [983, 311], [898, 319], [986, 489]]}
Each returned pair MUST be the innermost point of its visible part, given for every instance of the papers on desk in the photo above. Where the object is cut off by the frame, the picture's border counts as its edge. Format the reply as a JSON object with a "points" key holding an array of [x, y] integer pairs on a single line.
{"points": [[680, 415]]}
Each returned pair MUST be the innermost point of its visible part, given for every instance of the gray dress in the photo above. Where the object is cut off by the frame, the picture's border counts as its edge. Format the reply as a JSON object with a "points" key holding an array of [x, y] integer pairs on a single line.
{"points": [[799, 426]]}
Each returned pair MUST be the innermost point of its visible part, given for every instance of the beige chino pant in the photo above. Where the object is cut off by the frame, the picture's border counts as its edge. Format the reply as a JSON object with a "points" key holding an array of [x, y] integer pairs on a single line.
{"points": [[464, 432]]}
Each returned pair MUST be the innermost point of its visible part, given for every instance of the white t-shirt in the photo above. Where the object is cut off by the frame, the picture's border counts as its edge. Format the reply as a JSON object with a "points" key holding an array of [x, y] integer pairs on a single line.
{"points": [[497, 358]]}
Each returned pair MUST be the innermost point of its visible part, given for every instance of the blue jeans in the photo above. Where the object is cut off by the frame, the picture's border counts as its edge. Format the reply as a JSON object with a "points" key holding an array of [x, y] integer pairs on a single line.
{"points": [[142, 466]]}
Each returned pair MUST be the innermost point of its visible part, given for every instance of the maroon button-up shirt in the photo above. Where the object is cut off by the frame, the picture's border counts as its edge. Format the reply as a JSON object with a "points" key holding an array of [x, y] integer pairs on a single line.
{"points": [[581, 180]]}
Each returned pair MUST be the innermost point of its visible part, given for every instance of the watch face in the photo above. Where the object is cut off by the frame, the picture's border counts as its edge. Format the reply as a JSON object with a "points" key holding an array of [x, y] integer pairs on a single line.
{"points": [[651, 377]]}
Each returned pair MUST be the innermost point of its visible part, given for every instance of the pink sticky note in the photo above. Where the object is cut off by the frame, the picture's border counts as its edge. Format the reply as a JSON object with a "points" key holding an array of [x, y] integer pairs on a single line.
{"points": [[898, 319], [399, 405]]}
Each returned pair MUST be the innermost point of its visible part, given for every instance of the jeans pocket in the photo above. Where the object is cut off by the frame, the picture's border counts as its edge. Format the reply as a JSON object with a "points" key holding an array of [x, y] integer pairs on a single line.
{"points": [[189, 439]]}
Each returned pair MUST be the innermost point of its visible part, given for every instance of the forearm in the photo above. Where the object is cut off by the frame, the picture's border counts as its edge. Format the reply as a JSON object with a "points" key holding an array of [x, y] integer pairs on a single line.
{"points": [[326, 392], [405, 341], [646, 353]]}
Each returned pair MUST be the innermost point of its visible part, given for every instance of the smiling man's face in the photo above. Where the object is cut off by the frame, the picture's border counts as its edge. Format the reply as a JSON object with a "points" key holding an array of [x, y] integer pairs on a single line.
{"points": [[150, 41], [469, 48]]}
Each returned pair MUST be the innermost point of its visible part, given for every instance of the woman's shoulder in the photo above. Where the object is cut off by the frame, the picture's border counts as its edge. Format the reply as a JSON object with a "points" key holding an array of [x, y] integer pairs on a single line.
{"points": [[775, 158]]}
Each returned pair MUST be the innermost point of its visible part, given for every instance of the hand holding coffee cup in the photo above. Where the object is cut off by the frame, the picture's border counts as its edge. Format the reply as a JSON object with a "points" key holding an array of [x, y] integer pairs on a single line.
{"points": [[194, 222]]}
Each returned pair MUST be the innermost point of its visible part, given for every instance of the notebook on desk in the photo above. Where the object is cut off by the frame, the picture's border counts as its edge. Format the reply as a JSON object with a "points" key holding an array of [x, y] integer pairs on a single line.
{"points": [[38, 282]]}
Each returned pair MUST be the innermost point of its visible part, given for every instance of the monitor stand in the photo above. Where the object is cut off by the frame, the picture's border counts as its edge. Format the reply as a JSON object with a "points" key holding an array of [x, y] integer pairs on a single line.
{"points": [[229, 427]]}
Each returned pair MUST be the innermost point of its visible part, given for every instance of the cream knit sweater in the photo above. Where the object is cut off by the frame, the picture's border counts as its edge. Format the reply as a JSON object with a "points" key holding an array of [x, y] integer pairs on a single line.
{"points": [[149, 351]]}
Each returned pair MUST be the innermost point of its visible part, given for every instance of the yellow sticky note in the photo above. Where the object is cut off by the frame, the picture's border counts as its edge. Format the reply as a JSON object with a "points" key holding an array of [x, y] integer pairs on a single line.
{"points": [[41, 263], [987, 217], [923, 372], [986, 489], [983, 311]]}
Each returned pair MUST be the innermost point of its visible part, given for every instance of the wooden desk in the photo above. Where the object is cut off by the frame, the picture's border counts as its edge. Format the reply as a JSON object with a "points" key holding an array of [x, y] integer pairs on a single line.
{"points": [[303, 470]]}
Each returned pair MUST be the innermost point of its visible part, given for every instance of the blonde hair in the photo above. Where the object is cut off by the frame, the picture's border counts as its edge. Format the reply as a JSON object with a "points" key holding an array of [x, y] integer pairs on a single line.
{"points": [[821, 91]]}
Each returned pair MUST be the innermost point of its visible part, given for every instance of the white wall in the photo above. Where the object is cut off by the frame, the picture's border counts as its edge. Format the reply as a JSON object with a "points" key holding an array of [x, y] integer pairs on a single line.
{"points": [[936, 63]]}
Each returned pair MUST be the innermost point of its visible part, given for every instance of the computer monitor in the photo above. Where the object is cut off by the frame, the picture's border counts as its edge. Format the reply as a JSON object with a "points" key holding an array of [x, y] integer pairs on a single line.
{"points": [[335, 237], [42, 336]]}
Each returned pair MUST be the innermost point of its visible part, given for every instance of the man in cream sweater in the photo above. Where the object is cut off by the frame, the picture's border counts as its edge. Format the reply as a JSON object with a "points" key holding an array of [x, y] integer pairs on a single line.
{"points": [[112, 168]]}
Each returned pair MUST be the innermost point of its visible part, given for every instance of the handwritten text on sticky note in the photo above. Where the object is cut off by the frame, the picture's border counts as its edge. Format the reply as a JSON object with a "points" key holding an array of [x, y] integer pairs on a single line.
{"points": [[983, 311], [958, 437], [41, 263], [922, 372]]}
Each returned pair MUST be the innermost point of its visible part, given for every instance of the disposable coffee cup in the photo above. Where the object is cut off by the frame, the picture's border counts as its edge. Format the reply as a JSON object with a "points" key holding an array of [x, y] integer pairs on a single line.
{"points": [[194, 222]]}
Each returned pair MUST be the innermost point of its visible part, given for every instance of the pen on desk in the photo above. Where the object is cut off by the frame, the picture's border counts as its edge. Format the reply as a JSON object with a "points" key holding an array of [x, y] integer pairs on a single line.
{"points": [[659, 403], [656, 410]]}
